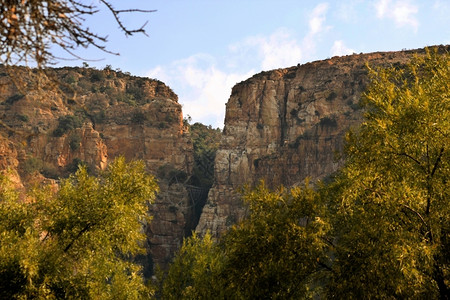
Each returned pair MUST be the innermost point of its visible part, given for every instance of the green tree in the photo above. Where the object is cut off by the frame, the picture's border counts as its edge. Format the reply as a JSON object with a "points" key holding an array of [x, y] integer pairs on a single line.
{"points": [[195, 271], [79, 241], [279, 251], [206, 141], [391, 202]]}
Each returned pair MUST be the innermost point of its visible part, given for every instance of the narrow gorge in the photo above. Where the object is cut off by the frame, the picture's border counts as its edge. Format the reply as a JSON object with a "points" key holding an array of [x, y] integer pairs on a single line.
{"points": [[281, 126]]}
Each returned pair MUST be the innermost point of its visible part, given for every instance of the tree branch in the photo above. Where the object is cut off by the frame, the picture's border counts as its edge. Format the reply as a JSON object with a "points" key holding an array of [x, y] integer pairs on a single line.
{"points": [[86, 228]]}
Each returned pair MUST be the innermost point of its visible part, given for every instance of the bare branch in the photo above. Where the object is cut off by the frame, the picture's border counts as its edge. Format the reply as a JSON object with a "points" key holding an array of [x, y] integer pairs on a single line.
{"points": [[28, 29]]}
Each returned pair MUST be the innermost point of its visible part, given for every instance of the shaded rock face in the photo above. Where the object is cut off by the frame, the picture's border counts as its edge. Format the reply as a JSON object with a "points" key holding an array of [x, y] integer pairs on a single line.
{"points": [[286, 125], [111, 114]]}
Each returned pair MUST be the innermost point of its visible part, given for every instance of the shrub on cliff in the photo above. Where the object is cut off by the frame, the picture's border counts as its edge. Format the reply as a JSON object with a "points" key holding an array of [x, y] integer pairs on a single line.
{"points": [[206, 141], [66, 123]]}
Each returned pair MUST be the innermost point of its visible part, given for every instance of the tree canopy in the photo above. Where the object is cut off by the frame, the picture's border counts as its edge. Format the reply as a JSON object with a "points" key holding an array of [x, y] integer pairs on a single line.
{"points": [[78, 241]]}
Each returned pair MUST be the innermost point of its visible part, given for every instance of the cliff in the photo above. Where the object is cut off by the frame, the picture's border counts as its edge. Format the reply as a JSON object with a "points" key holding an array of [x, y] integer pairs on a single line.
{"points": [[91, 117], [281, 126], [285, 125]]}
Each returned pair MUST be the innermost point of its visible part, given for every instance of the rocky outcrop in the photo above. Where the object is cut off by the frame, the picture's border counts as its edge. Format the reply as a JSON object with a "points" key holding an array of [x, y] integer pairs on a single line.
{"points": [[94, 116], [285, 125]]}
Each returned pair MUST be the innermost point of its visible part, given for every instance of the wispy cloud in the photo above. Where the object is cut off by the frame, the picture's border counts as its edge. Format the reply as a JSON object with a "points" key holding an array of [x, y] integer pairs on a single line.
{"points": [[316, 25], [202, 86], [403, 12], [278, 50], [317, 18], [348, 10], [339, 49]]}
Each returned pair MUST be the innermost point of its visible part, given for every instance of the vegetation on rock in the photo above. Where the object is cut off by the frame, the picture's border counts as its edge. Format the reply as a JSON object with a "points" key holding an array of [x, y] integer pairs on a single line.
{"points": [[206, 141]]}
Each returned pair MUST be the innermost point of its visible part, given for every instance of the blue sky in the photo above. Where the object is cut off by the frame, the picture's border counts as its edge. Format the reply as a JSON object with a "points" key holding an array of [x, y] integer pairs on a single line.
{"points": [[202, 48]]}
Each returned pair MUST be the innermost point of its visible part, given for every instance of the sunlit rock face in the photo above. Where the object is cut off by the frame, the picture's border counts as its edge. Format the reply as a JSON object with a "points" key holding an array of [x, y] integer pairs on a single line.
{"points": [[92, 117], [286, 125]]}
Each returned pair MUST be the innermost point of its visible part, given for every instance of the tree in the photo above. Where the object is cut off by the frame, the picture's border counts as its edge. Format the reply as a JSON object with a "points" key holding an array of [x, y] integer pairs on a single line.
{"points": [[206, 141], [79, 241], [28, 29], [195, 271], [277, 252], [391, 201]]}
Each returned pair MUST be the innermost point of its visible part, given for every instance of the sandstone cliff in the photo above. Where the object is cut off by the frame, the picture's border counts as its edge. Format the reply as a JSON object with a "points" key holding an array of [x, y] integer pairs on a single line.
{"points": [[285, 125], [92, 117]]}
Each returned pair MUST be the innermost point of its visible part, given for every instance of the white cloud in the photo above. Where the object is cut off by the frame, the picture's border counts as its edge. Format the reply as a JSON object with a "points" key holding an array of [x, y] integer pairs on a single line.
{"points": [[316, 23], [403, 12], [339, 49], [278, 50], [203, 88], [348, 10], [317, 18]]}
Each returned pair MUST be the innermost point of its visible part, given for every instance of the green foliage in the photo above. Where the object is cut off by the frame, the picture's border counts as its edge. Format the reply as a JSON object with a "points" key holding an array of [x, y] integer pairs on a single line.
{"points": [[206, 141], [77, 242], [169, 173], [74, 141], [333, 95], [391, 201], [66, 123], [138, 117], [32, 164], [274, 253], [126, 98], [277, 251], [137, 91], [329, 121], [194, 273], [23, 118], [97, 76], [98, 117]]}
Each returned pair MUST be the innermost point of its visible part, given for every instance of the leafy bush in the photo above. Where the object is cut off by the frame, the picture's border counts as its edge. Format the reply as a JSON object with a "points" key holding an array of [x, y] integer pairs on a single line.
{"points": [[328, 121], [98, 118], [76, 241], [32, 165], [206, 142], [138, 117], [66, 123], [171, 174], [74, 141], [23, 118], [331, 96], [97, 76], [14, 98]]}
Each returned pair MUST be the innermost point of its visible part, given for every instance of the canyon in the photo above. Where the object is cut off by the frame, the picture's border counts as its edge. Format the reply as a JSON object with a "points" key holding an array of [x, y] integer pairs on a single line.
{"points": [[281, 126]]}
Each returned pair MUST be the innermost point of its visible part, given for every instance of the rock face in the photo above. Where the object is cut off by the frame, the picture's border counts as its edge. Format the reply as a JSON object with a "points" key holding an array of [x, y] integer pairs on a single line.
{"points": [[93, 117], [286, 125]]}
